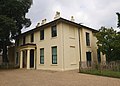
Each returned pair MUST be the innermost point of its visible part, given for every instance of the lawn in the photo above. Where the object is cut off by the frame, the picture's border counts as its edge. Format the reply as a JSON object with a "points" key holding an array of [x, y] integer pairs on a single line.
{"points": [[107, 73]]}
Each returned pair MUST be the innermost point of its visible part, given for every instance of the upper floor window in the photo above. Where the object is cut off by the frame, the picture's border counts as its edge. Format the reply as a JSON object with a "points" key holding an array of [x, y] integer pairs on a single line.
{"points": [[54, 31], [42, 34], [23, 40], [87, 39], [17, 42], [32, 37]]}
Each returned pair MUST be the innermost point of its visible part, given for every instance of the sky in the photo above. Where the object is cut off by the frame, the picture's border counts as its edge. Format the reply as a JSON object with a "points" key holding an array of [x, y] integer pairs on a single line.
{"points": [[91, 13]]}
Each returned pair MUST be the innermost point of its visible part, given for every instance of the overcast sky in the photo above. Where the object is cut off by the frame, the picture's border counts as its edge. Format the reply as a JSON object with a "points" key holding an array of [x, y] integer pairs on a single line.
{"points": [[92, 13]]}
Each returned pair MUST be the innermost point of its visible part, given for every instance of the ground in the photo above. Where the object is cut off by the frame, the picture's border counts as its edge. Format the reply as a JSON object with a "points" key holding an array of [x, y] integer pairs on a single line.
{"points": [[23, 77]]}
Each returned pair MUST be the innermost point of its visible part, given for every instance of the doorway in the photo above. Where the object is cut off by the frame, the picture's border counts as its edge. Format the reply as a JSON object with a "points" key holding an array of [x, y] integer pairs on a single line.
{"points": [[32, 58]]}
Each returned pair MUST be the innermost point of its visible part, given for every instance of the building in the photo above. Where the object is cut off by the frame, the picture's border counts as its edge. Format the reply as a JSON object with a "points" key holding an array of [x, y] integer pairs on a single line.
{"points": [[57, 45]]}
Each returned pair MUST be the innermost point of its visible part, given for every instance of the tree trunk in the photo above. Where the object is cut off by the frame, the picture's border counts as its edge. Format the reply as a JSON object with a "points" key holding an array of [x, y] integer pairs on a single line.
{"points": [[5, 56]]}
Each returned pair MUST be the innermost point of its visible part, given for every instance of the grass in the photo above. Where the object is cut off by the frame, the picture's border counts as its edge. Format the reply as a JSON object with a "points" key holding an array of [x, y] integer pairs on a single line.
{"points": [[107, 73]]}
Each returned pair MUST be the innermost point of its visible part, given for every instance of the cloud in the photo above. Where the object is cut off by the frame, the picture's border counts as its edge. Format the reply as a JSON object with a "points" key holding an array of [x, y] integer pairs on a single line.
{"points": [[92, 13]]}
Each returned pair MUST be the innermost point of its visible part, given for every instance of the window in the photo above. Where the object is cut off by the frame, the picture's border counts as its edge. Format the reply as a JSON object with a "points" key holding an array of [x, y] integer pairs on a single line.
{"points": [[98, 55], [41, 34], [42, 56], [87, 39], [16, 57], [54, 31], [17, 42], [54, 55], [23, 40], [32, 37], [88, 57]]}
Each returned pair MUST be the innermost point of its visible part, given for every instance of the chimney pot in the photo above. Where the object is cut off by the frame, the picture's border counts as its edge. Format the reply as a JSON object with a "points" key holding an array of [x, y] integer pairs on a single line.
{"points": [[57, 15], [72, 18]]}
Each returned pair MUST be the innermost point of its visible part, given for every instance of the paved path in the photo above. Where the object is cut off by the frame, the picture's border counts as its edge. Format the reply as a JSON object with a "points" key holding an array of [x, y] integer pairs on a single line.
{"points": [[23, 77]]}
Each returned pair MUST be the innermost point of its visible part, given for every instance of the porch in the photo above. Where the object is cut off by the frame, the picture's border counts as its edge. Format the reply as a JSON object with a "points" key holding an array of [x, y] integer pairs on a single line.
{"points": [[28, 56]]}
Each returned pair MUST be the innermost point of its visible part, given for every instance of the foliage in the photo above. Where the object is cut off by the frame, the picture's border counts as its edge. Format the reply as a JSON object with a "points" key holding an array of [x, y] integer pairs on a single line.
{"points": [[118, 25], [16, 9], [12, 20], [109, 43]]}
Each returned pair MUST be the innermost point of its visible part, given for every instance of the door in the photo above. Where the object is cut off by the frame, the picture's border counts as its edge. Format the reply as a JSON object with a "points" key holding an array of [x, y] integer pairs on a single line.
{"points": [[31, 58]]}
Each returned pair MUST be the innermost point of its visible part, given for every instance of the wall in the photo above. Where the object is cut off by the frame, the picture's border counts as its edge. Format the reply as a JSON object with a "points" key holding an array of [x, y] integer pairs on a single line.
{"points": [[71, 47], [67, 42], [47, 43]]}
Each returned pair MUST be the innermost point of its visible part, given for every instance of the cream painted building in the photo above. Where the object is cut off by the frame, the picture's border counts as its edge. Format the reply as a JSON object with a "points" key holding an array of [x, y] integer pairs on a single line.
{"points": [[57, 45]]}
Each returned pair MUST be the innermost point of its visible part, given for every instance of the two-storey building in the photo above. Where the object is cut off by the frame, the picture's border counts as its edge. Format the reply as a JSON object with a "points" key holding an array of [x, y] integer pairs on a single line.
{"points": [[57, 45]]}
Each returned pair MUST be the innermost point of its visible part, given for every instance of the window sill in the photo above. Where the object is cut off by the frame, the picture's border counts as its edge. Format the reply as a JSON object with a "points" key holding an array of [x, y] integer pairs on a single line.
{"points": [[54, 64], [54, 37], [73, 64], [71, 37], [41, 40], [88, 46], [41, 64]]}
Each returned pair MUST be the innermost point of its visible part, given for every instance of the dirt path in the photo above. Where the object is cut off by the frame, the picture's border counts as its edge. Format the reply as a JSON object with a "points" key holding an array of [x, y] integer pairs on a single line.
{"points": [[23, 77]]}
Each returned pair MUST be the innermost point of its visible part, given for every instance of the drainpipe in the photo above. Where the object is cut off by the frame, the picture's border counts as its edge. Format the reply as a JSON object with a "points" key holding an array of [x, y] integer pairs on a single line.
{"points": [[35, 56], [63, 46], [79, 49]]}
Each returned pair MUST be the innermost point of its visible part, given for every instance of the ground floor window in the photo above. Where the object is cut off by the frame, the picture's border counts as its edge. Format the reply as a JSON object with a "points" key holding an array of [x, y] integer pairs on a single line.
{"points": [[42, 56], [54, 55], [88, 57], [98, 55]]}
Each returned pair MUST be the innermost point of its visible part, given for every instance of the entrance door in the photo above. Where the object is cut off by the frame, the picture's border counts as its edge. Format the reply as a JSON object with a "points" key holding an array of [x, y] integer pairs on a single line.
{"points": [[31, 58], [88, 55]]}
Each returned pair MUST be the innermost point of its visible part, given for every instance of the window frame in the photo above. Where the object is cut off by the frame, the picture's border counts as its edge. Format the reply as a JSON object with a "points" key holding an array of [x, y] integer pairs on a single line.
{"points": [[24, 40], [41, 56], [42, 34], [17, 42], [54, 31], [54, 60], [32, 37], [89, 59], [87, 39]]}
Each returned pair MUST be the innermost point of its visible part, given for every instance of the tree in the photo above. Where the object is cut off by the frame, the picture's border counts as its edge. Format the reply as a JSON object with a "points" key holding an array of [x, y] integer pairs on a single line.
{"points": [[118, 25], [12, 20], [109, 43], [7, 28]]}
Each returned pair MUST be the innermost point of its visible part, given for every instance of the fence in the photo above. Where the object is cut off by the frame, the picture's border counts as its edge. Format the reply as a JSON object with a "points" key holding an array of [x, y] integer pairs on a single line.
{"points": [[8, 66], [113, 66]]}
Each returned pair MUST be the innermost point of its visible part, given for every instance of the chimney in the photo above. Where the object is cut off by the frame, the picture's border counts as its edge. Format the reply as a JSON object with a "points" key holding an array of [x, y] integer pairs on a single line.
{"points": [[57, 15], [43, 21], [38, 24], [72, 19]]}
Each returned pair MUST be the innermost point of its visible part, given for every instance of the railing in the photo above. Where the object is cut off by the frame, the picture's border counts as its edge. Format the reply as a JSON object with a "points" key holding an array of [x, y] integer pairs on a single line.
{"points": [[8, 66], [113, 65]]}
